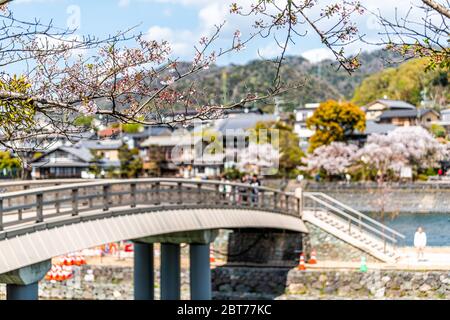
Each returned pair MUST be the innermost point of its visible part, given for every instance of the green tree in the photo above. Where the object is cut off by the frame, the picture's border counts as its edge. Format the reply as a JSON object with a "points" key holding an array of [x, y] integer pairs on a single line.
{"points": [[95, 167], [334, 121], [438, 131], [131, 164], [9, 166], [290, 153], [132, 127], [84, 121], [406, 82], [16, 114], [233, 174]]}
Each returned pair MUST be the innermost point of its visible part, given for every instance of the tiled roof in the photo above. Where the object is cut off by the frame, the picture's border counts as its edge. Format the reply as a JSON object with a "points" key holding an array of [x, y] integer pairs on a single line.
{"points": [[394, 104], [404, 113], [244, 122], [83, 154], [165, 141], [150, 131], [108, 132], [379, 128], [101, 144], [398, 114]]}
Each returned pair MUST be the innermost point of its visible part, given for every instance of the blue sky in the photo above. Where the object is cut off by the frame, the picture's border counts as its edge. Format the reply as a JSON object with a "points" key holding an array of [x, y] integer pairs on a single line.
{"points": [[183, 22]]}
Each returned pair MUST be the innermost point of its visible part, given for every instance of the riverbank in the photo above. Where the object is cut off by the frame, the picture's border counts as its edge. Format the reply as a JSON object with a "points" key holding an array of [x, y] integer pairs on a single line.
{"points": [[436, 258], [373, 284], [393, 198], [260, 283], [327, 280]]}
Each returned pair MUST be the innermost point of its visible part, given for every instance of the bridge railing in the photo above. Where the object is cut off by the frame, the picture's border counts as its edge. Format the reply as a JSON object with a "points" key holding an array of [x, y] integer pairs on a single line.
{"points": [[22, 185], [44, 204], [317, 201]]}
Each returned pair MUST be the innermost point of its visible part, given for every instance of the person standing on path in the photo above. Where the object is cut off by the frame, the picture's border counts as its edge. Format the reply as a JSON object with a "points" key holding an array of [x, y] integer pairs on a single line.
{"points": [[420, 242]]}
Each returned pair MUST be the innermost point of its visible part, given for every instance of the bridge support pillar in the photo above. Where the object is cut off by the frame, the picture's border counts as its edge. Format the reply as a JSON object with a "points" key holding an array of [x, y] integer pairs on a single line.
{"points": [[143, 271], [200, 272], [170, 262], [22, 292], [22, 284], [170, 271]]}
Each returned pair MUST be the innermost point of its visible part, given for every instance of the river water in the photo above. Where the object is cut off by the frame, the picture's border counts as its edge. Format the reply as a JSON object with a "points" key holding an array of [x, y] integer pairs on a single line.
{"points": [[436, 226]]}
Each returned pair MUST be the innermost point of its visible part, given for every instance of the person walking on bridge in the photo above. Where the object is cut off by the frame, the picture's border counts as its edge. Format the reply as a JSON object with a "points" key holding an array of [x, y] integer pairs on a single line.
{"points": [[255, 183], [243, 191], [420, 242]]}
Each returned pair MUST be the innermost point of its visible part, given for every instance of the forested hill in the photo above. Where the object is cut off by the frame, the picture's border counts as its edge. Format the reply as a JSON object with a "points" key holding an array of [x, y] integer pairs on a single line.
{"points": [[371, 62], [409, 82], [317, 82]]}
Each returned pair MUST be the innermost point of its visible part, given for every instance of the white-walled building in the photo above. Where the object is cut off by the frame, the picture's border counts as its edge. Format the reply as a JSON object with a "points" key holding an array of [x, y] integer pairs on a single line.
{"points": [[301, 114]]}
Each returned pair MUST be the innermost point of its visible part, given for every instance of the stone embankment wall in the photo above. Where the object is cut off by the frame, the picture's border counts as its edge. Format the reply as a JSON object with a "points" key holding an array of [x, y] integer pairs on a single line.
{"points": [[328, 247], [264, 247], [373, 284], [263, 283], [246, 283], [110, 283], [394, 198]]}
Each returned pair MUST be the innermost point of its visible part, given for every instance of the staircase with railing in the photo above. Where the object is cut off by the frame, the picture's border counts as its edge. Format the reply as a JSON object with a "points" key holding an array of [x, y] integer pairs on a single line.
{"points": [[351, 226]]}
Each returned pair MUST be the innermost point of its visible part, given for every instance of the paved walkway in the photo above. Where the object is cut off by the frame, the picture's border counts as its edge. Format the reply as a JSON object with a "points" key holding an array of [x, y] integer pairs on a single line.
{"points": [[435, 258]]}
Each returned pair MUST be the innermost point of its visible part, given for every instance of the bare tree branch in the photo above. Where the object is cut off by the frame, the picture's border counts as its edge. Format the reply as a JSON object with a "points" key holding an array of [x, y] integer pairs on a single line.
{"points": [[438, 7]]}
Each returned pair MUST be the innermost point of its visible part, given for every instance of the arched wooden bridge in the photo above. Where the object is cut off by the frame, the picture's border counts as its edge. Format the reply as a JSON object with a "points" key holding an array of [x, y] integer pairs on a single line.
{"points": [[43, 219]]}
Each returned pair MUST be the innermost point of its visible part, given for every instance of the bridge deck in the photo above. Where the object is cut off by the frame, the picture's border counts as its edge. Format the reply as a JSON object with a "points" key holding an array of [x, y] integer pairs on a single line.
{"points": [[41, 223]]}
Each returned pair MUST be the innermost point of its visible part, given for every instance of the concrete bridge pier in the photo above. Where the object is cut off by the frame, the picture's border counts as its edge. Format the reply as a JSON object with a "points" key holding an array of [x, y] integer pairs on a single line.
{"points": [[22, 284], [170, 271], [200, 272], [143, 271], [22, 292]]}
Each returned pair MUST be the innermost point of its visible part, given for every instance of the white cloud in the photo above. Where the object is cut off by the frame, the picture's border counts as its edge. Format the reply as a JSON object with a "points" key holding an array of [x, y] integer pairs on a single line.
{"points": [[182, 41], [159, 33], [211, 15], [124, 3], [214, 12], [317, 55], [184, 2], [33, 1], [270, 51], [273, 50], [171, 2], [47, 43], [179, 40]]}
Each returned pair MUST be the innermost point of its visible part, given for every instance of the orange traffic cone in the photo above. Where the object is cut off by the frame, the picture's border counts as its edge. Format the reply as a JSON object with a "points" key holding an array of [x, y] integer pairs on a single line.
{"points": [[211, 257], [67, 274], [59, 261], [59, 275], [313, 259], [301, 265], [48, 276], [69, 261], [78, 261], [51, 275]]}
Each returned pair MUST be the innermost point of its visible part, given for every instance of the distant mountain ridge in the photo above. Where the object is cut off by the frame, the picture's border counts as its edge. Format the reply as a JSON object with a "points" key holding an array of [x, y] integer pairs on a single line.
{"points": [[318, 81]]}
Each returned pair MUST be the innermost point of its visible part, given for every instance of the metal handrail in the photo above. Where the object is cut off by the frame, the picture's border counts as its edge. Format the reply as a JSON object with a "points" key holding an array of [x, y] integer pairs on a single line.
{"points": [[85, 197], [31, 183], [359, 214], [361, 224], [98, 183]]}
